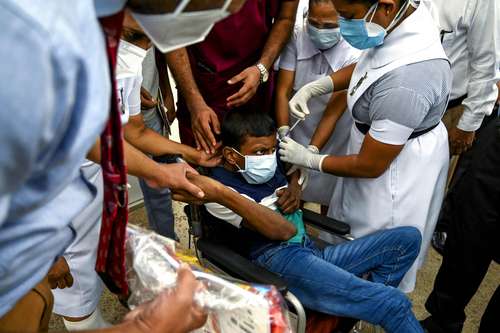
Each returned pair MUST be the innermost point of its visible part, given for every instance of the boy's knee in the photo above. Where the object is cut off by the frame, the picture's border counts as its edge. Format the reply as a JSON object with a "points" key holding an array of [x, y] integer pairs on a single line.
{"points": [[412, 237]]}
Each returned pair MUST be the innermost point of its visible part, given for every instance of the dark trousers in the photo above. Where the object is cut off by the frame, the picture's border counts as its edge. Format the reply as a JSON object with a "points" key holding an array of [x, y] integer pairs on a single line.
{"points": [[464, 162], [473, 215]]}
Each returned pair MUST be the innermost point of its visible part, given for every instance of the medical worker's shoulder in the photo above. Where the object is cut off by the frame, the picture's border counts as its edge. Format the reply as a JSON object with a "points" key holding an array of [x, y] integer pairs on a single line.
{"points": [[288, 56], [430, 79]]}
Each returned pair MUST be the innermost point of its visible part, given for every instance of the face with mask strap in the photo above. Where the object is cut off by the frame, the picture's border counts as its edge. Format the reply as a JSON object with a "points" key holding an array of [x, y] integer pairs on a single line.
{"points": [[255, 158], [375, 17], [133, 33], [172, 24], [322, 24]]}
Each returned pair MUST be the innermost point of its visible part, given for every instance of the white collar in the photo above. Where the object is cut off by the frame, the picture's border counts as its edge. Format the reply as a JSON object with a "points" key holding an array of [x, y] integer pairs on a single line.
{"points": [[417, 32]]}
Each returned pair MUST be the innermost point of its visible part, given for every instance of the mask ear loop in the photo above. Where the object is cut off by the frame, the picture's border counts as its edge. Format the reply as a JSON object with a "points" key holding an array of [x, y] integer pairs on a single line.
{"points": [[237, 152], [181, 7], [399, 15], [372, 11]]}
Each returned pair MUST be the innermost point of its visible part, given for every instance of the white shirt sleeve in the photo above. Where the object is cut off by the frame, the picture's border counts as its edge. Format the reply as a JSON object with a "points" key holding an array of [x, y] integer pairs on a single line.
{"points": [[483, 44], [134, 98], [223, 213], [288, 58]]}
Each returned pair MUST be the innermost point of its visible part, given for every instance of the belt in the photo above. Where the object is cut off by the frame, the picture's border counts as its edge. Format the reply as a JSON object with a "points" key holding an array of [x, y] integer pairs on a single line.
{"points": [[456, 102], [364, 128]]}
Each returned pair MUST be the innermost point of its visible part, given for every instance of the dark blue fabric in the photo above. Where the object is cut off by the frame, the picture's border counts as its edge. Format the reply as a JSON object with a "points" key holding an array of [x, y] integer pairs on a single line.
{"points": [[246, 242]]}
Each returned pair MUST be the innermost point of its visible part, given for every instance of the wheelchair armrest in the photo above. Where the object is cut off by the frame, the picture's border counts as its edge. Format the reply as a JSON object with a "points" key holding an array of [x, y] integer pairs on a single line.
{"points": [[237, 266], [325, 223]]}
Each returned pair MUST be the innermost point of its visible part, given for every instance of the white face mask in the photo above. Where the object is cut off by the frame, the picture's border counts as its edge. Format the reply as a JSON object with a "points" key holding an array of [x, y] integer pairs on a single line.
{"points": [[130, 59], [179, 29], [259, 169]]}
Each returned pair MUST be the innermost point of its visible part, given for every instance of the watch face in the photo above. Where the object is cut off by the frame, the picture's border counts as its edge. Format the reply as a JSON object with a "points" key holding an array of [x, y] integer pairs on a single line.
{"points": [[265, 76]]}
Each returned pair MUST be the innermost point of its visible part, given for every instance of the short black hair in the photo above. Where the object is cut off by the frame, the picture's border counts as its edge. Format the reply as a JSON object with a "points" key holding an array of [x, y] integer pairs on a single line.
{"points": [[240, 123]]}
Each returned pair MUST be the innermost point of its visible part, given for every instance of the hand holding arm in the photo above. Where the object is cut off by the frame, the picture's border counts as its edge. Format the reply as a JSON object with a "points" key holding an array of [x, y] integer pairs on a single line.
{"points": [[157, 175], [150, 142], [204, 120]]}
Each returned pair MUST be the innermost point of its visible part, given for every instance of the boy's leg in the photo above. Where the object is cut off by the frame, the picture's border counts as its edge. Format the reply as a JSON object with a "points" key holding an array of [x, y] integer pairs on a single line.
{"points": [[386, 255], [324, 287]]}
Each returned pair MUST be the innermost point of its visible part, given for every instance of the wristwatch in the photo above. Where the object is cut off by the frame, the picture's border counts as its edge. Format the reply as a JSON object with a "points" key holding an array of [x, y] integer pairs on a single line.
{"points": [[264, 74]]}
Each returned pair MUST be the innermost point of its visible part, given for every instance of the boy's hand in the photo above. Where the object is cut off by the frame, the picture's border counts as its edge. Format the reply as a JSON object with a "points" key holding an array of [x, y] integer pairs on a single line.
{"points": [[289, 198]]}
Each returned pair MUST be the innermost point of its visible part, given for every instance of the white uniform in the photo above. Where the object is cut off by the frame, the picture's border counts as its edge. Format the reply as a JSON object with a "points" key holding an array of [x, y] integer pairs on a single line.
{"points": [[410, 191], [83, 297], [470, 32], [309, 64]]}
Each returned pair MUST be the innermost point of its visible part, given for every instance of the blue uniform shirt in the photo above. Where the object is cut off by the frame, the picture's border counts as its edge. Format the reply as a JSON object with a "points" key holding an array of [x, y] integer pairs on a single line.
{"points": [[54, 97]]}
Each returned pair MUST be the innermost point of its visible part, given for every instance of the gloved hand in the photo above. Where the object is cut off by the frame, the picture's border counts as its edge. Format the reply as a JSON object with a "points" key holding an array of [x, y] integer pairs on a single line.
{"points": [[283, 131], [298, 103], [293, 152], [304, 172]]}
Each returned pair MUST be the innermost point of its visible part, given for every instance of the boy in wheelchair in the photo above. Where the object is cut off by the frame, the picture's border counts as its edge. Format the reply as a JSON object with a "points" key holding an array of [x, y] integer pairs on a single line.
{"points": [[257, 214]]}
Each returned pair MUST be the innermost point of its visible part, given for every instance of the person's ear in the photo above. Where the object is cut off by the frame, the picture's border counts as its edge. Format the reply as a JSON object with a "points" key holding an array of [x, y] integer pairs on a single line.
{"points": [[230, 156], [388, 7]]}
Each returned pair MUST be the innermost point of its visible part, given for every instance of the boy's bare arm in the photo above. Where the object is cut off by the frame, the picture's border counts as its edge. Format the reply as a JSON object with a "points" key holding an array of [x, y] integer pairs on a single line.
{"points": [[257, 217]]}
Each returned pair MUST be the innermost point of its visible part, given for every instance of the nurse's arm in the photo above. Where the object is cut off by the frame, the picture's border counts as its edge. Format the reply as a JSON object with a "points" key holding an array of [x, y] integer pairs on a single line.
{"points": [[342, 77], [372, 161], [283, 94], [157, 175], [334, 110]]}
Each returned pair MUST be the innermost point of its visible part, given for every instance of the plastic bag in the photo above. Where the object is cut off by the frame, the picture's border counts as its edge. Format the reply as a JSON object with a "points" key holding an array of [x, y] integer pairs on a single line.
{"points": [[233, 308]]}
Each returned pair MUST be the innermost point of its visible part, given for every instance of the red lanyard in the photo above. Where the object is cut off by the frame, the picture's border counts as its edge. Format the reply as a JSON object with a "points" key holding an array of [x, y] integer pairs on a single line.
{"points": [[110, 262]]}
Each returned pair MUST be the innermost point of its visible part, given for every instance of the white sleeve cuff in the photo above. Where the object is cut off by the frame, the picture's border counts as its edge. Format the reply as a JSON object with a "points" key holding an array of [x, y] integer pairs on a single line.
{"points": [[389, 132], [471, 121]]}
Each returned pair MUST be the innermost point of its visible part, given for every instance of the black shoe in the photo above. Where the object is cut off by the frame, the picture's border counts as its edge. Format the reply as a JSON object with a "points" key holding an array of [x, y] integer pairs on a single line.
{"points": [[438, 241], [430, 326]]}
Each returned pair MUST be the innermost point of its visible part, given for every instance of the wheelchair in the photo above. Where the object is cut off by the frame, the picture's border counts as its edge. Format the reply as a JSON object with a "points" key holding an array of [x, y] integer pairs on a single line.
{"points": [[223, 260]]}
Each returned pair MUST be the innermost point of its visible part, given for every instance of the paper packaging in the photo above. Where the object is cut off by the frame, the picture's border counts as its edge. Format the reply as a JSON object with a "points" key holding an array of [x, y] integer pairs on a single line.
{"points": [[232, 308]]}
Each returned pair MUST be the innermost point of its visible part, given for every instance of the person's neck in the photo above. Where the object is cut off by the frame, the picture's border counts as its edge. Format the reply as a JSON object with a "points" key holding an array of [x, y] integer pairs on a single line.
{"points": [[410, 10]]}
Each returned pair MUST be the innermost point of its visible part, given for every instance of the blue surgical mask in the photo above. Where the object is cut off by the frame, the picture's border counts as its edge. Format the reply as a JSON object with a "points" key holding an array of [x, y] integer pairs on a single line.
{"points": [[365, 35], [323, 39], [259, 169]]}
